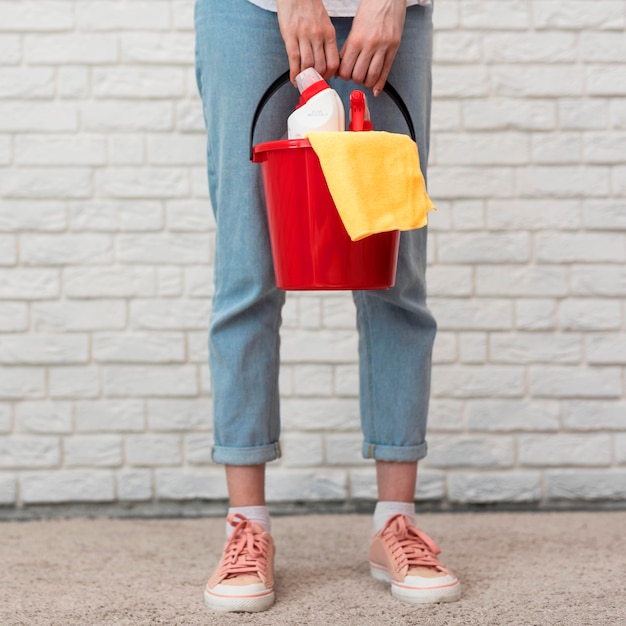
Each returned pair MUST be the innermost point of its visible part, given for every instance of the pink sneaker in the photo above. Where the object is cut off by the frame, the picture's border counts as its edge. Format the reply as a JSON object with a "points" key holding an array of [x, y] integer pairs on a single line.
{"points": [[244, 579], [406, 557]]}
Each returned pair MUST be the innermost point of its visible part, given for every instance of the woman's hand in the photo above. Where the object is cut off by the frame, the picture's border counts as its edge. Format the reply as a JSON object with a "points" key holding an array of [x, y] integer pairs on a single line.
{"points": [[371, 46], [309, 36]]}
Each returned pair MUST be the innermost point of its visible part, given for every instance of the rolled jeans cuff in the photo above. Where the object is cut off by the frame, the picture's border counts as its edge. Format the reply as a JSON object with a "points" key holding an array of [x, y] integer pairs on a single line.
{"points": [[246, 456], [397, 454]]}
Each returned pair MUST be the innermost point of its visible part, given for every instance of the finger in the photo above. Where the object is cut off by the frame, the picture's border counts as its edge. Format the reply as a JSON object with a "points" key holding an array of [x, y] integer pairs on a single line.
{"points": [[361, 68], [319, 57], [332, 57], [374, 70], [382, 78], [293, 54], [348, 55], [307, 58]]}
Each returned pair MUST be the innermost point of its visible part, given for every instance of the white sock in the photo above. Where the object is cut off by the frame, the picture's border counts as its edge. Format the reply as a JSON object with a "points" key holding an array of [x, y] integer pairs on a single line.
{"points": [[258, 514], [385, 510]]}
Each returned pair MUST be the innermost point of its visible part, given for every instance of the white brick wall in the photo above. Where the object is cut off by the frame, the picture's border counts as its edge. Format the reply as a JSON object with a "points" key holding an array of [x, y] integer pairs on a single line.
{"points": [[106, 253]]}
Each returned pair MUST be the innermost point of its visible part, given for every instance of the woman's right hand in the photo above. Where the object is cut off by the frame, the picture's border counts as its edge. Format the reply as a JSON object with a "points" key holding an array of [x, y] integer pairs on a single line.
{"points": [[309, 37]]}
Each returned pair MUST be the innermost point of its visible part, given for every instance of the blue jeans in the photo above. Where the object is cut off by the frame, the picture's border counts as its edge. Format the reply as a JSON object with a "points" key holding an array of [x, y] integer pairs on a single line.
{"points": [[239, 52]]}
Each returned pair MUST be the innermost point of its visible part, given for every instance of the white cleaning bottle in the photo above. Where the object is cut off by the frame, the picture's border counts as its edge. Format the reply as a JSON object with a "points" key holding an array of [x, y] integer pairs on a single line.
{"points": [[320, 107]]}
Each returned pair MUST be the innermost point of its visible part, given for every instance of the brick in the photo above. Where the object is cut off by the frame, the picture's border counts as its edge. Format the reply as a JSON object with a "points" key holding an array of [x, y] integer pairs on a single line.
{"points": [[5, 418], [562, 450], [508, 113], [197, 347], [153, 450], [180, 415], [580, 247], [450, 280], [34, 16], [430, 484], [338, 313], [8, 489], [178, 248], [603, 47], [578, 14], [198, 282], [25, 452], [470, 248], [471, 381], [138, 348], [134, 485], [310, 313], [183, 15], [188, 215], [457, 47], [446, 348], [606, 214], [482, 148], [574, 382], [73, 82], [28, 283], [473, 347], [70, 48], [563, 181], [594, 415], [468, 215], [107, 15], [537, 81], [316, 414], [620, 449], [125, 149], [198, 449], [312, 380], [59, 317], [445, 415], [101, 416], [67, 486], [347, 380], [512, 415], [27, 83], [199, 183], [33, 215], [74, 382], [472, 182], [186, 484], [35, 349], [599, 280], [92, 450], [530, 47], [60, 150], [109, 282], [30, 117], [70, 249], [307, 485], [486, 487], [116, 216], [154, 182], [446, 115], [618, 113], [150, 380], [618, 180], [606, 349], [138, 82], [302, 450], [8, 250], [472, 314], [529, 280], [21, 383], [445, 451], [590, 314], [556, 148], [589, 484], [125, 116], [10, 49], [606, 80], [169, 281], [489, 14], [43, 417], [453, 81], [170, 315], [344, 449], [189, 117], [152, 47], [532, 215], [49, 182], [582, 114], [535, 314], [605, 148], [5, 150], [333, 346]]}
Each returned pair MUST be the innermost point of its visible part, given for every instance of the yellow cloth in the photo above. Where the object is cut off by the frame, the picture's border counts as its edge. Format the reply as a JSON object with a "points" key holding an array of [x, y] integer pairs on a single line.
{"points": [[375, 180]]}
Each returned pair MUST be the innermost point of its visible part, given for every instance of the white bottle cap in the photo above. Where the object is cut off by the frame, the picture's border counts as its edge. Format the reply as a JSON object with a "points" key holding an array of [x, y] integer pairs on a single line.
{"points": [[307, 77]]}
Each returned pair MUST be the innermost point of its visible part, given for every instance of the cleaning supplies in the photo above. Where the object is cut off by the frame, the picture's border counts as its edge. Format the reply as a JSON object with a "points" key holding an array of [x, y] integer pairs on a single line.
{"points": [[359, 113], [319, 109]]}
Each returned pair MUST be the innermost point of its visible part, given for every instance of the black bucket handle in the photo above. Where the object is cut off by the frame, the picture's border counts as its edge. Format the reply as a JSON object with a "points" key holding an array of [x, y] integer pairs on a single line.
{"points": [[284, 78]]}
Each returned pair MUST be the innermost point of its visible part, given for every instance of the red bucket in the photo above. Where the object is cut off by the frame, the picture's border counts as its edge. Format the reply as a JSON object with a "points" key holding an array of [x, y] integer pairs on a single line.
{"points": [[310, 246]]}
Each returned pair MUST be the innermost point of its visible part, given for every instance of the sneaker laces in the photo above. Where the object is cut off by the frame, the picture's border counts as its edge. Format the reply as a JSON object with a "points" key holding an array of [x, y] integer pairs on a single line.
{"points": [[246, 551], [409, 546]]}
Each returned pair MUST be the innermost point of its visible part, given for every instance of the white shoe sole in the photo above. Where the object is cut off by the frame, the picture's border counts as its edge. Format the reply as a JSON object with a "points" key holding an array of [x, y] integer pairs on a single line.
{"points": [[235, 604], [414, 595]]}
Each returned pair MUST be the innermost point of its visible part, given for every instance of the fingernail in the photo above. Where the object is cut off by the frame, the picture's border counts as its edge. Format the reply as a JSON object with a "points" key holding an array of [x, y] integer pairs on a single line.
{"points": [[376, 92]]}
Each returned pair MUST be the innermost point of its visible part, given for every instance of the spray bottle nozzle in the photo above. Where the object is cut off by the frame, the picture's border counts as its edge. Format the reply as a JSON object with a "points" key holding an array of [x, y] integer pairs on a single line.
{"points": [[359, 113]]}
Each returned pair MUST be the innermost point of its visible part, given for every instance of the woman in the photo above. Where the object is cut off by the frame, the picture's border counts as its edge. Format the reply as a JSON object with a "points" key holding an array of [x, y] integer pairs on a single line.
{"points": [[242, 46]]}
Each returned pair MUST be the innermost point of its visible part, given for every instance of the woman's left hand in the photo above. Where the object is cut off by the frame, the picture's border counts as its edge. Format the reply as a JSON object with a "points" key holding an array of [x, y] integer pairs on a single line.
{"points": [[371, 46]]}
